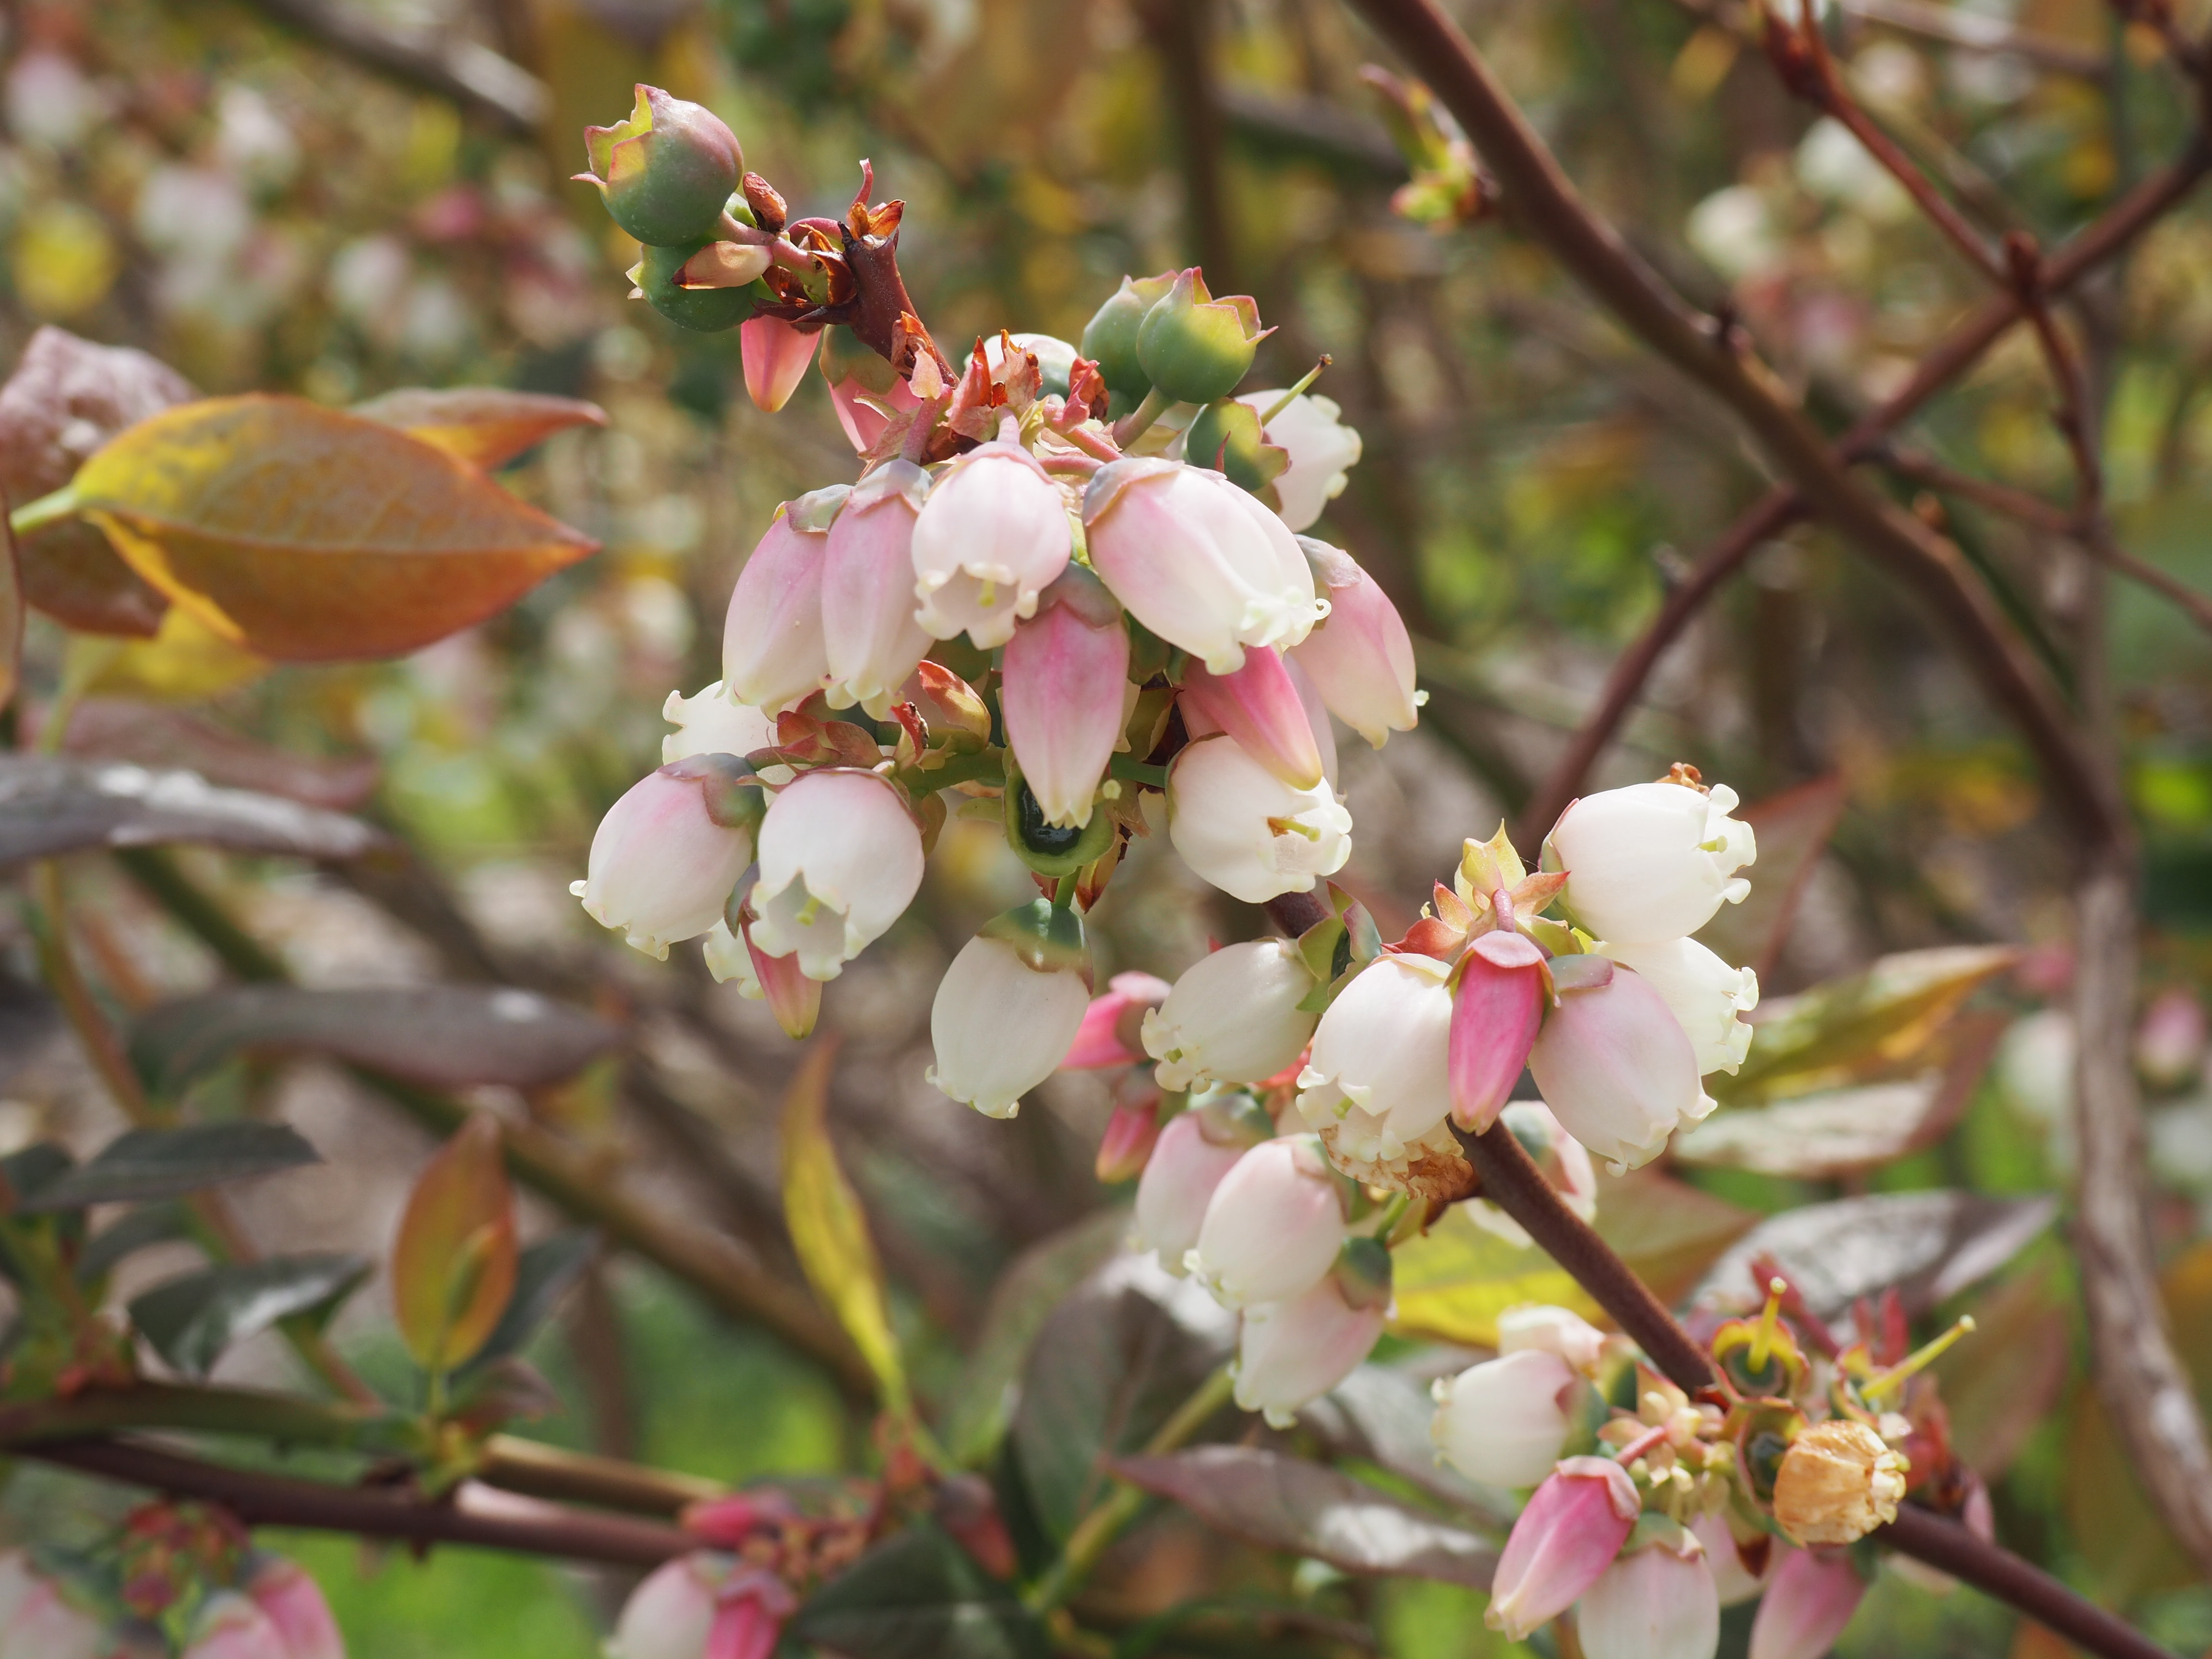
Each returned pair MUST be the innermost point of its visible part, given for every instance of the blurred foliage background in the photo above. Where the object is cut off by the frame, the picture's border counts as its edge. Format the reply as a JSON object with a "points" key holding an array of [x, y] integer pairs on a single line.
{"points": [[266, 204]]}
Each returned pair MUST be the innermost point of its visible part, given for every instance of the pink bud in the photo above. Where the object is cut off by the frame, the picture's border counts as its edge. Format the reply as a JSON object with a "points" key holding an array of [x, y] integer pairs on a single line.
{"points": [[660, 868], [1657, 1602], [773, 654], [871, 639], [1259, 706], [1573, 1527], [1111, 1028], [993, 535], [1361, 656], [865, 413], [230, 1626], [1290, 1352], [1496, 1014], [1272, 1227], [2170, 1041], [751, 1607], [1618, 1069], [36, 1621], [1179, 1179], [727, 1522], [776, 354], [1130, 1133], [840, 860], [293, 1603], [1812, 1596], [1062, 695], [793, 998]]}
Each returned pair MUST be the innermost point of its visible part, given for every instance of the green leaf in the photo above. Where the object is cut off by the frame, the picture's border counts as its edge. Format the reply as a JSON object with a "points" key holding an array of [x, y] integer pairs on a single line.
{"points": [[148, 1164], [453, 1266], [191, 1320], [982, 1406], [50, 806], [919, 1596], [1847, 1030], [830, 1233], [149, 1224], [1287, 1504], [311, 535], [486, 426], [1454, 1281], [444, 1037], [543, 1275], [1793, 829]]}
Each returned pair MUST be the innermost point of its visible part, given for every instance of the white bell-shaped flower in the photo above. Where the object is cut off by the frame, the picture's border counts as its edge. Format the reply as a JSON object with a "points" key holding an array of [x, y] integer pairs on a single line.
{"points": [[1361, 657], [1272, 1227], [1506, 1421], [840, 860], [773, 654], [1546, 1329], [1310, 429], [1289, 1353], [1703, 993], [1245, 831], [1233, 1017], [1617, 1069], [992, 537], [713, 723], [1379, 1077], [869, 632], [1196, 1149], [1651, 862], [661, 868], [1005, 1012]]}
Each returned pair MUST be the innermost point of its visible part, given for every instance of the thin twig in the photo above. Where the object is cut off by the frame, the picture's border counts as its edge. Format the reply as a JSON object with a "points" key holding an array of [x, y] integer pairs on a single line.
{"points": [[1979, 31], [451, 66]]}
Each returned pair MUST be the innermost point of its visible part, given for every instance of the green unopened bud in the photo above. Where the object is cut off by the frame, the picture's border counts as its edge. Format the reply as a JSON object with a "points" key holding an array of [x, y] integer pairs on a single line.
{"points": [[666, 173], [1109, 338], [660, 276], [1226, 436], [1195, 348]]}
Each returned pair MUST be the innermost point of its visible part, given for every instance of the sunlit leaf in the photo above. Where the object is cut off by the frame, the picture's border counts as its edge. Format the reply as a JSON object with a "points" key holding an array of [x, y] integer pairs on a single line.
{"points": [[1793, 829], [486, 426], [1453, 1283], [918, 1595], [185, 661], [309, 534], [829, 1232], [449, 1036], [1845, 1030], [1930, 1246], [1287, 1504], [191, 1320], [50, 805], [453, 1264], [148, 1164]]}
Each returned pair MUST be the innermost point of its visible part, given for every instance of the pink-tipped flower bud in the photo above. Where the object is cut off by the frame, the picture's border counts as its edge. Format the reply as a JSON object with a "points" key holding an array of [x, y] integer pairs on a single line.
{"points": [[776, 354], [1655, 1603], [1732, 1565], [1496, 1014], [1061, 694], [666, 173], [870, 638], [840, 860], [38, 1622], [1505, 1421], [1197, 561], [1539, 1328], [793, 998], [2170, 1041], [1196, 1150], [1111, 1033], [1233, 1017], [1703, 994], [1290, 1353], [230, 1626], [1132, 1132], [1807, 1607], [1651, 862], [1361, 655], [1272, 1227], [1617, 1069], [1310, 430], [1008, 1007], [1259, 706], [993, 537], [662, 863], [1245, 831], [1377, 1080], [1568, 1535], [773, 654], [713, 723], [293, 1603]]}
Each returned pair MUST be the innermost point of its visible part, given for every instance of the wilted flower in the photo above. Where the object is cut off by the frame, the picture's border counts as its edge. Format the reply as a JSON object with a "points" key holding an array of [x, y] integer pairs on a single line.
{"points": [[1290, 1352], [1703, 994], [1233, 1017], [776, 354], [1195, 1151], [773, 654], [666, 173], [1360, 655], [1272, 1227], [993, 536], [1568, 1535], [1377, 1080], [37, 1622], [1310, 430], [1505, 1421], [661, 864], [1617, 1068], [1260, 707], [1062, 690], [1838, 1482], [1654, 1602], [1197, 561], [1812, 1598], [1008, 1007], [1245, 831], [840, 860], [870, 640], [713, 723], [1651, 862]]}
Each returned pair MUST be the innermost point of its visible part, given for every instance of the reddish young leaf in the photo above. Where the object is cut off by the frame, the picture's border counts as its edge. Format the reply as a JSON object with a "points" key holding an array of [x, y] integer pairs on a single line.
{"points": [[486, 426], [453, 1263]]}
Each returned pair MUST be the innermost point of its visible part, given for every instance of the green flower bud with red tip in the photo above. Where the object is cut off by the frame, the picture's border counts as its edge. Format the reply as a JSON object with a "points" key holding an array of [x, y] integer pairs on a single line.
{"points": [[667, 172], [1109, 338], [1195, 348]]}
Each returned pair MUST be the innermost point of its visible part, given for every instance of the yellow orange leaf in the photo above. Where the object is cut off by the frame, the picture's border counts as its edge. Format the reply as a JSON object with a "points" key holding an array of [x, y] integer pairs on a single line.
{"points": [[453, 1264], [485, 425], [185, 661]]}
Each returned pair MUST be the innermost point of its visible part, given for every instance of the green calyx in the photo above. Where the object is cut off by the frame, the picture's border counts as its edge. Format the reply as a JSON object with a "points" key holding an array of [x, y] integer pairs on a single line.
{"points": [[666, 173], [1361, 1273], [1050, 849], [709, 310], [1227, 437], [1232, 1117], [1109, 338], [1046, 937], [735, 798], [1194, 348]]}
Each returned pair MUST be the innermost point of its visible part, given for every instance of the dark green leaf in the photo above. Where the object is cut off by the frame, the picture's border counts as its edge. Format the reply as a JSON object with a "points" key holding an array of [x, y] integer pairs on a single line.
{"points": [[147, 1164], [191, 1320], [1287, 1504], [33, 1169], [444, 1037], [919, 1596], [49, 805], [543, 1274], [153, 1224]]}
